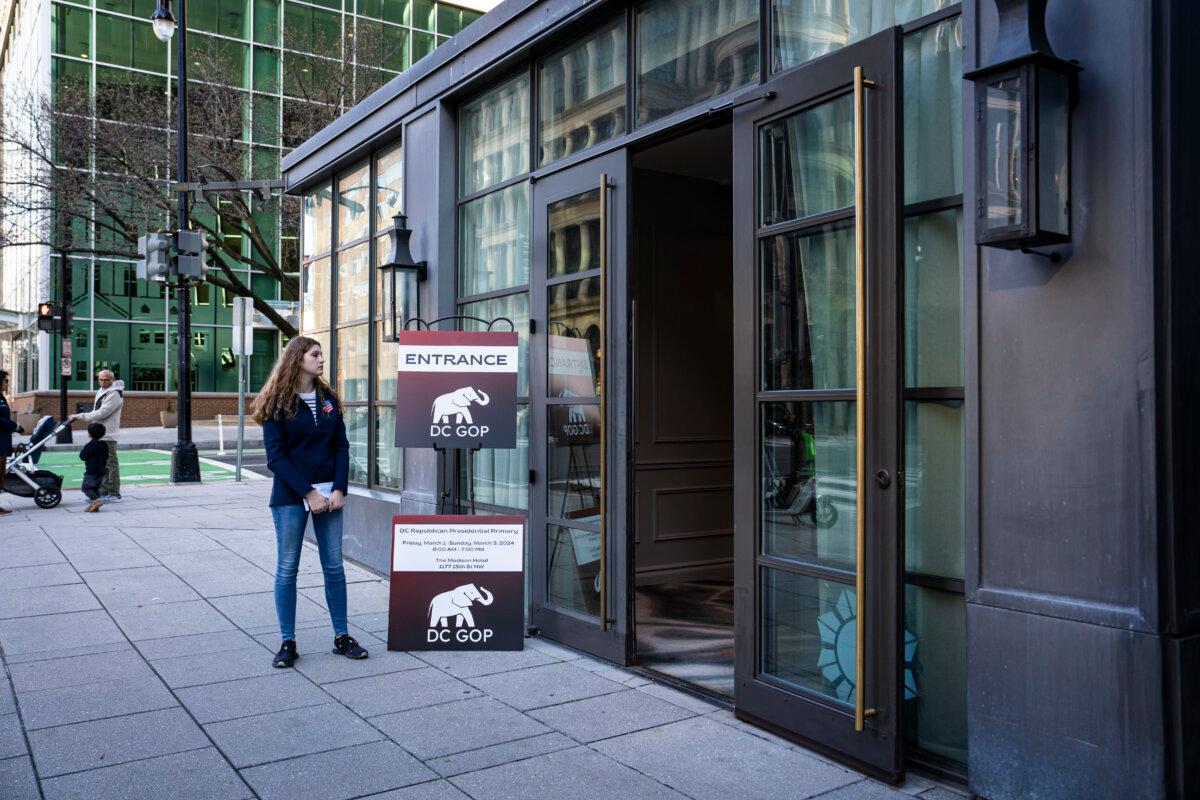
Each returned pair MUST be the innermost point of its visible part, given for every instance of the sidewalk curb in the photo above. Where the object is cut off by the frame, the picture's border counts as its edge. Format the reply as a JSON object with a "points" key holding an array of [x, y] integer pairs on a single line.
{"points": [[159, 445]]}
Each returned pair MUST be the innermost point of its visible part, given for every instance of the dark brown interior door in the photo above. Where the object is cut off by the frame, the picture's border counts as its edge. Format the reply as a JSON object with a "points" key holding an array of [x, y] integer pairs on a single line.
{"points": [[816, 406]]}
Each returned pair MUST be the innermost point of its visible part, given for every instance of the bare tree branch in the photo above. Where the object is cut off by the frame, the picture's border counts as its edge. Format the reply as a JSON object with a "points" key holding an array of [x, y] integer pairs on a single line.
{"points": [[86, 175]]}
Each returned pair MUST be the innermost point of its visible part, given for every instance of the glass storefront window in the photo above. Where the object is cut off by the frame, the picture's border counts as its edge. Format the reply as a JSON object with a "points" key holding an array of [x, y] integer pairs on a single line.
{"points": [[808, 162], [809, 479], [933, 89], [493, 136], [935, 718], [933, 309], [352, 375], [318, 222], [808, 309], [358, 433], [573, 461], [353, 283], [501, 477], [808, 632], [689, 51], [315, 285], [389, 459], [573, 241], [581, 94], [804, 30], [493, 241], [573, 319], [573, 568], [353, 197], [934, 514], [514, 307], [389, 186]]}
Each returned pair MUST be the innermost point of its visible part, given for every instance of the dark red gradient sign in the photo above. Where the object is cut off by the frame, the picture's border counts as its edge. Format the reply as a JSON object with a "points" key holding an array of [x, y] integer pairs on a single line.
{"points": [[456, 389], [458, 583]]}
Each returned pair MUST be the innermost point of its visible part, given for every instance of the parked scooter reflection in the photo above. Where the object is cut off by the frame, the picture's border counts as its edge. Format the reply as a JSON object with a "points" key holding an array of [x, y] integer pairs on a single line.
{"points": [[795, 493]]}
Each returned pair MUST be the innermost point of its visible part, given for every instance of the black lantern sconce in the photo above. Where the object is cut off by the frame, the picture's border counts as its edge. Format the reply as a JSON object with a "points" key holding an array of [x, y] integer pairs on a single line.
{"points": [[399, 261], [1023, 102]]}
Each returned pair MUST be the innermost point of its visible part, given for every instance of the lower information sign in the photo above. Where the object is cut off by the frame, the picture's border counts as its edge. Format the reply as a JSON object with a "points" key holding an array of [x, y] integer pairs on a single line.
{"points": [[458, 583]]}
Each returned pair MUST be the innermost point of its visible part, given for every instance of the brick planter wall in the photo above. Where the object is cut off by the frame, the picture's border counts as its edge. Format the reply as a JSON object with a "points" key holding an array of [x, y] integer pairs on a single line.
{"points": [[141, 409]]}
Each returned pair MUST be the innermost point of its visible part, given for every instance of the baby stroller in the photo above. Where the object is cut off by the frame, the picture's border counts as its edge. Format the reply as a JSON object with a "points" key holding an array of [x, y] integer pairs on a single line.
{"points": [[24, 479]]}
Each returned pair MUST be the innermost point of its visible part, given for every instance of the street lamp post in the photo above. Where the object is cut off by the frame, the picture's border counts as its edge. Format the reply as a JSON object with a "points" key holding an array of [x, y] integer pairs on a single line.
{"points": [[185, 461]]}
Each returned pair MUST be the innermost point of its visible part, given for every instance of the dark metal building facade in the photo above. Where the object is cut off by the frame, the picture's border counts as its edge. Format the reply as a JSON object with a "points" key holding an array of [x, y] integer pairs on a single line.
{"points": [[1065, 658]]}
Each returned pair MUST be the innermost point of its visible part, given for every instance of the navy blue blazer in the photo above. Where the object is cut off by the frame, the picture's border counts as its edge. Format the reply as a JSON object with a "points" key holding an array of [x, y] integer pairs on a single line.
{"points": [[7, 428], [301, 453]]}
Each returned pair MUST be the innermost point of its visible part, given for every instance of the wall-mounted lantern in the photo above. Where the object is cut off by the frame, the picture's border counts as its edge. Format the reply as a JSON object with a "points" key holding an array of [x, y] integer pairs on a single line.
{"points": [[1023, 100], [391, 272]]}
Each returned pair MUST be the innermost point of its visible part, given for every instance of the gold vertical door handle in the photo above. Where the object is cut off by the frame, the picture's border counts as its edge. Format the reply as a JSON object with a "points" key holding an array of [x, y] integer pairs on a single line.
{"points": [[603, 402], [861, 712]]}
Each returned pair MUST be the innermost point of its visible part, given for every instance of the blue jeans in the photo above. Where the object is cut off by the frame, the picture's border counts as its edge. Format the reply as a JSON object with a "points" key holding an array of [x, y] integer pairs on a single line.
{"points": [[289, 539]]}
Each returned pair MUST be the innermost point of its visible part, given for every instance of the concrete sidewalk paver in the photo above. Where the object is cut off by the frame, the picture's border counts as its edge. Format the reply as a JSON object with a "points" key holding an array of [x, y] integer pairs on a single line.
{"points": [[339, 774], [214, 702], [249, 741], [136, 646], [457, 727], [576, 774], [116, 740]]}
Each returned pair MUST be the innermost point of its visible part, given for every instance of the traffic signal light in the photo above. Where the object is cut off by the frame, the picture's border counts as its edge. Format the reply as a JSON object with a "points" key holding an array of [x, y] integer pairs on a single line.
{"points": [[46, 317], [189, 246], [154, 250]]}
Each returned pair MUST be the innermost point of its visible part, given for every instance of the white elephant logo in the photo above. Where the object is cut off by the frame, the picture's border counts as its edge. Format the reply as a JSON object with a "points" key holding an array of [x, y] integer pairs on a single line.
{"points": [[456, 604], [457, 404]]}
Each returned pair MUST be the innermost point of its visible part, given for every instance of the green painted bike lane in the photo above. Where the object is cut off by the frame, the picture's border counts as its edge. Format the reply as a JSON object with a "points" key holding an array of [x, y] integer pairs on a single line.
{"points": [[138, 467]]}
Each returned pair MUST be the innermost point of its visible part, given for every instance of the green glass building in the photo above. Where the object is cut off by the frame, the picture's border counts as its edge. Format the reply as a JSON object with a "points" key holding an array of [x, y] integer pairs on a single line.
{"points": [[265, 50]]}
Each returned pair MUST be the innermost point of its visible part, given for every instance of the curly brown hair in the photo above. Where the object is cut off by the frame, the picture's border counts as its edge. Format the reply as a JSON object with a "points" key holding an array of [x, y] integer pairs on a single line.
{"points": [[278, 396]]}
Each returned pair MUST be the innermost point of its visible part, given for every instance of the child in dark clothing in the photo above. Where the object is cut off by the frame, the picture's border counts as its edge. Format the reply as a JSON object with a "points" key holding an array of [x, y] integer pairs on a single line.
{"points": [[95, 455]]}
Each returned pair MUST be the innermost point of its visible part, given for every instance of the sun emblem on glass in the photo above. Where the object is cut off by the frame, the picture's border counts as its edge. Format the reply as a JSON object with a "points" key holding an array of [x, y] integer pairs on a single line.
{"points": [[836, 661]]}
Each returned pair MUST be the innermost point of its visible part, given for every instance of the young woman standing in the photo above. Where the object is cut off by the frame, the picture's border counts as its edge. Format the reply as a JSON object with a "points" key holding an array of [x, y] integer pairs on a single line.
{"points": [[308, 453]]}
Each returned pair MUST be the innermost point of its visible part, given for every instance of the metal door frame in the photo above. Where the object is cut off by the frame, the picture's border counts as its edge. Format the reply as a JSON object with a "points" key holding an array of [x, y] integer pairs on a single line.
{"points": [[821, 722], [614, 640]]}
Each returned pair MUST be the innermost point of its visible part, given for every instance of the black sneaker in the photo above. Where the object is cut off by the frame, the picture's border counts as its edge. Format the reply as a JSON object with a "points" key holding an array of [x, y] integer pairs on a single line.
{"points": [[345, 645], [286, 656]]}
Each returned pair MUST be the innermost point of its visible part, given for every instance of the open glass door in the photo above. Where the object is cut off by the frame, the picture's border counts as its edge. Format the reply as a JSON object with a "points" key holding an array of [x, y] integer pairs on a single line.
{"points": [[578, 357], [816, 406]]}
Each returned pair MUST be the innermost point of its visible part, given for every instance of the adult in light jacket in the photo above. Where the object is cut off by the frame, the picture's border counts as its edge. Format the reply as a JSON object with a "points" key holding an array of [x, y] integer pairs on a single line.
{"points": [[110, 398], [308, 453], [7, 428]]}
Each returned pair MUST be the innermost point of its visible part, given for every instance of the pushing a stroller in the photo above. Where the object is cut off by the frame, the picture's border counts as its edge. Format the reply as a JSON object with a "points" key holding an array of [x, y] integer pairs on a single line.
{"points": [[21, 475]]}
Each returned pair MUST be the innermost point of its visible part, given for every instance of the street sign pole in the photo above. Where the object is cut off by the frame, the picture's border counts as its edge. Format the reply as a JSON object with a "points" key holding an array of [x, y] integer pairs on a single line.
{"points": [[65, 296], [243, 347]]}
